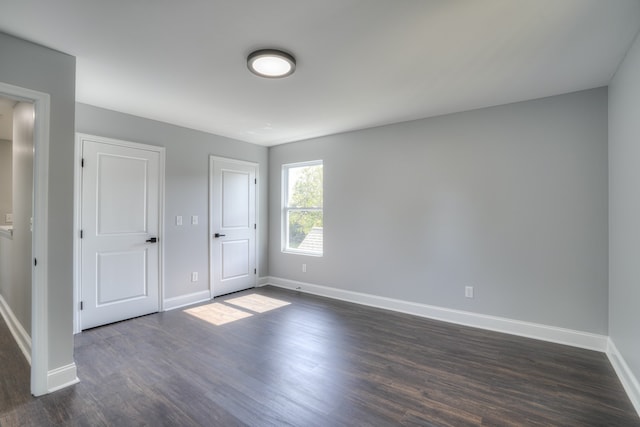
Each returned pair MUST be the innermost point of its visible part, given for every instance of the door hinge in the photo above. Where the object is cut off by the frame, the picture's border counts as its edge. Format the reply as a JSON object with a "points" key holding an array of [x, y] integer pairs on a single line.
{"points": [[255, 226], [255, 271], [81, 234], [35, 262], [81, 305], [82, 162], [255, 181]]}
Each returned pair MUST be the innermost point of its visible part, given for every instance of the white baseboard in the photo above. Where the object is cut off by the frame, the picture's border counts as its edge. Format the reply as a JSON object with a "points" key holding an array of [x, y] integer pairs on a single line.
{"points": [[184, 300], [499, 324], [19, 334], [629, 381], [62, 377]]}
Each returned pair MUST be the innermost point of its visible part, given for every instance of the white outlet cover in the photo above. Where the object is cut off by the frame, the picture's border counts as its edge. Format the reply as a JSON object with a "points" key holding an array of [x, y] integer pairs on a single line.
{"points": [[194, 220], [468, 291], [179, 220]]}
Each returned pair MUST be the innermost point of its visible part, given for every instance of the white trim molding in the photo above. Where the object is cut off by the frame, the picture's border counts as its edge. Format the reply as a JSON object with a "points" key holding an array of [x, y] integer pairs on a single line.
{"points": [[77, 225], [62, 377], [185, 300], [17, 330], [492, 323], [629, 381]]}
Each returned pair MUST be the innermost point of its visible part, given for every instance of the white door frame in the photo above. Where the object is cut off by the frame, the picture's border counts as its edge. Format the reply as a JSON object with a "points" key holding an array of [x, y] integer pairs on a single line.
{"points": [[39, 240], [77, 218], [210, 234]]}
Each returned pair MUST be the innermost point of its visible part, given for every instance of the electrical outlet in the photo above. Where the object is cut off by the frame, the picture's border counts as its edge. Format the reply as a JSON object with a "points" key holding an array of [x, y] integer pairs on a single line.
{"points": [[304, 268], [8, 218], [194, 276], [179, 220], [194, 220], [468, 291]]}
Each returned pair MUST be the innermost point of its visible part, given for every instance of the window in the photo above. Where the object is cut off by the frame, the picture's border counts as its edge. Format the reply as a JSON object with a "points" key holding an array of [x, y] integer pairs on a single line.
{"points": [[302, 211]]}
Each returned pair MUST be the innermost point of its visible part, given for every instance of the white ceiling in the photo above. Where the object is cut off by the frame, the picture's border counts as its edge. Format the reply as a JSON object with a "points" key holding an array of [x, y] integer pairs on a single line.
{"points": [[360, 63]]}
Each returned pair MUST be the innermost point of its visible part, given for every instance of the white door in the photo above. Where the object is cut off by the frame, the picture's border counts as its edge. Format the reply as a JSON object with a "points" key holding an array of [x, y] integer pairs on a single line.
{"points": [[120, 255], [233, 225]]}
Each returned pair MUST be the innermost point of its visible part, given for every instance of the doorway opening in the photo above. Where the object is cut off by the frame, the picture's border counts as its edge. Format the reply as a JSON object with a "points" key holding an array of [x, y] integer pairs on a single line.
{"points": [[16, 217], [26, 288]]}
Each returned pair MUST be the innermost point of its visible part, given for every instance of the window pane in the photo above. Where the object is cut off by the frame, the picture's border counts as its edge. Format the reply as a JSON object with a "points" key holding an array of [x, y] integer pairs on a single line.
{"points": [[305, 231], [302, 211], [305, 187]]}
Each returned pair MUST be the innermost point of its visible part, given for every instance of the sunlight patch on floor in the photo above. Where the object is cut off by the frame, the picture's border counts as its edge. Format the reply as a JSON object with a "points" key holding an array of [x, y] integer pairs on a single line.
{"points": [[257, 303], [217, 313], [220, 313]]}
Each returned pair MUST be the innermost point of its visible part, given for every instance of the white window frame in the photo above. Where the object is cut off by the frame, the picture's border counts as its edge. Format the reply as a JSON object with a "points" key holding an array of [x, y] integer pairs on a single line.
{"points": [[286, 209]]}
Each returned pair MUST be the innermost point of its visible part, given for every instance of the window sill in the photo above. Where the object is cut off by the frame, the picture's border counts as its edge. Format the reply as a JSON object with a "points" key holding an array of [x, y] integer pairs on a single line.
{"points": [[294, 252]]}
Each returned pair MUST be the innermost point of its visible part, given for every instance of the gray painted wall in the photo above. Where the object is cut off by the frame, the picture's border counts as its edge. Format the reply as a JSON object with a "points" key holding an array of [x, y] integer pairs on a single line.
{"points": [[38, 68], [187, 187], [18, 294], [6, 161], [511, 200], [624, 209]]}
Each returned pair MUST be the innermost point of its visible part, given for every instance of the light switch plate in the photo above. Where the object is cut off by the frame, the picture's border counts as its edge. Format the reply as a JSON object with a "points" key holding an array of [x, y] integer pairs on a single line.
{"points": [[8, 218], [194, 220], [179, 220]]}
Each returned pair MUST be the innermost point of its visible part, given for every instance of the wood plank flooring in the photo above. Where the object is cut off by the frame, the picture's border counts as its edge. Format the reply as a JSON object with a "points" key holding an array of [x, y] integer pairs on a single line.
{"points": [[315, 362]]}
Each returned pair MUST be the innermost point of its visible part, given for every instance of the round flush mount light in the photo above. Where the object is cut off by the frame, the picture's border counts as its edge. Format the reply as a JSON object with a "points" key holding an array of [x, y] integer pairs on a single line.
{"points": [[271, 63]]}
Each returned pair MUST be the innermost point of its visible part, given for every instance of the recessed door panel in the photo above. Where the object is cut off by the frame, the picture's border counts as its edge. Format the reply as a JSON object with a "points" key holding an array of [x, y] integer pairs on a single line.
{"points": [[121, 181], [121, 276], [235, 259], [235, 199]]}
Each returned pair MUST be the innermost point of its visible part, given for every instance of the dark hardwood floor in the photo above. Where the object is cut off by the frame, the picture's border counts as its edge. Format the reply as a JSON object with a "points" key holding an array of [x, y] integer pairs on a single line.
{"points": [[315, 362]]}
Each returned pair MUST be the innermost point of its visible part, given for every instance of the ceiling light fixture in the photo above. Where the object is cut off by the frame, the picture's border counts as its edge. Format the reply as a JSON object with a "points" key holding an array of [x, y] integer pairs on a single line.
{"points": [[271, 63]]}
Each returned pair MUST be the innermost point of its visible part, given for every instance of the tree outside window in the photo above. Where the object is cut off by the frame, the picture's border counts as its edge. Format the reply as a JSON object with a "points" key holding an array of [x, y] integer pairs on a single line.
{"points": [[303, 210]]}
